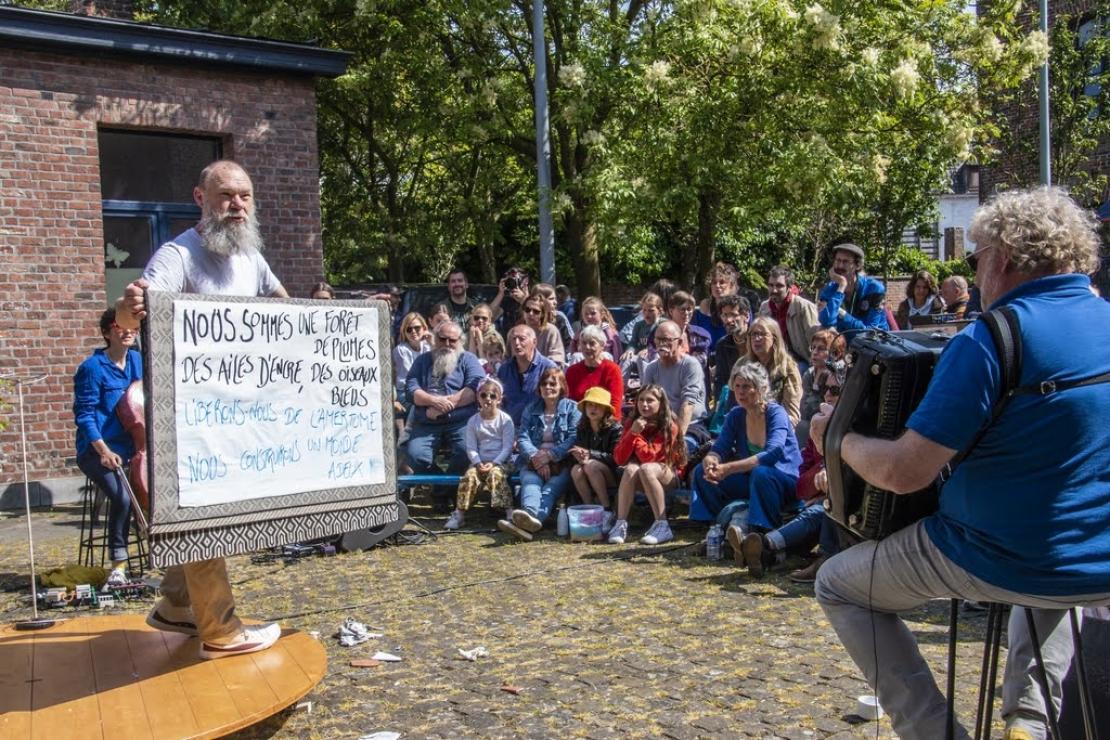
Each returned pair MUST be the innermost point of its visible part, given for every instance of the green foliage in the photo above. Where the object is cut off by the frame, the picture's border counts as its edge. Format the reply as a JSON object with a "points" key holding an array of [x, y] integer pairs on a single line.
{"points": [[906, 261], [757, 131]]}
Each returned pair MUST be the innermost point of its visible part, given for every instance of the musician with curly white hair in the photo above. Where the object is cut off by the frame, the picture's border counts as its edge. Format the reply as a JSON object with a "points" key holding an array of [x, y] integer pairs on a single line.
{"points": [[1022, 519]]}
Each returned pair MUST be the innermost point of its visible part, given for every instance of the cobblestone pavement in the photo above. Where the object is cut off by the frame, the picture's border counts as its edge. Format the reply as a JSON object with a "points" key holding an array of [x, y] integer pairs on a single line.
{"points": [[601, 641]]}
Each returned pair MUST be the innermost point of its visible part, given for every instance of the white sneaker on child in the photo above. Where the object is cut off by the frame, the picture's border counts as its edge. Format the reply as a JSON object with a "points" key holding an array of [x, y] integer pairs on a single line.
{"points": [[619, 532], [454, 521], [659, 533]]}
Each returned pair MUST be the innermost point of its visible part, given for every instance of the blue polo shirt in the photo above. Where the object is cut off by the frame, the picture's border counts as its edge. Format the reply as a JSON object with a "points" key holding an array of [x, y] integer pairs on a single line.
{"points": [[98, 386], [1029, 509], [521, 387]]}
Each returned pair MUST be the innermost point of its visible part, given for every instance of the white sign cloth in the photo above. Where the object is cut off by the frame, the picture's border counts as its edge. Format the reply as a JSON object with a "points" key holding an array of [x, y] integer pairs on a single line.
{"points": [[275, 399]]}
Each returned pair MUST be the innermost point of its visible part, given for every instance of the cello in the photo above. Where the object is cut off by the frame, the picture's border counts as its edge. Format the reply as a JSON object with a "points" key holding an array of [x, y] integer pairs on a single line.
{"points": [[132, 414]]}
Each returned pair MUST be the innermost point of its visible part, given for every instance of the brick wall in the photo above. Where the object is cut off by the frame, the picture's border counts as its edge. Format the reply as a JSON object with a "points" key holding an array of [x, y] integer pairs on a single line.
{"points": [[51, 240]]}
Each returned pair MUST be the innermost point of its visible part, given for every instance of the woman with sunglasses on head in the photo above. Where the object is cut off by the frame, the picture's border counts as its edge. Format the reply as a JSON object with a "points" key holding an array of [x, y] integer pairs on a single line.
{"points": [[489, 443], [749, 476], [760, 551], [548, 430], [103, 445], [536, 313]]}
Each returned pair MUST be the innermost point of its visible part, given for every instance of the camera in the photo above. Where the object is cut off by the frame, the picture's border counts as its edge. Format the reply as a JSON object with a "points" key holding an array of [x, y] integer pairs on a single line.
{"points": [[511, 283]]}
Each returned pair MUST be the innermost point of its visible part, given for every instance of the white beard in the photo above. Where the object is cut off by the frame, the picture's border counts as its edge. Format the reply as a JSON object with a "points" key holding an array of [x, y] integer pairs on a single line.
{"points": [[445, 362], [225, 238]]}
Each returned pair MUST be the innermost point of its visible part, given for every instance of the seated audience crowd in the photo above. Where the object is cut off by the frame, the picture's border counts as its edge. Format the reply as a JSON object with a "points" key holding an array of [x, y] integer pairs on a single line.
{"points": [[714, 397]]}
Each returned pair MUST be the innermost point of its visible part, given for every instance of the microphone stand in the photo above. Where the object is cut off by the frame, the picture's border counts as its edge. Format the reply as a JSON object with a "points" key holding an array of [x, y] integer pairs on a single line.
{"points": [[35, 623]]}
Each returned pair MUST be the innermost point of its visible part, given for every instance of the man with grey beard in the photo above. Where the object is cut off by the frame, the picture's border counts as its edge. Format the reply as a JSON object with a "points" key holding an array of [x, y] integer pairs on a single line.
{"points": [[442, 384], [220, 256]]}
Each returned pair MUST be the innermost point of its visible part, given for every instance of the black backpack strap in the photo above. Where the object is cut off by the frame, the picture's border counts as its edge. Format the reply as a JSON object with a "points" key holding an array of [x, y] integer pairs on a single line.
{"points": [[1045, 387], [1006, 332]]}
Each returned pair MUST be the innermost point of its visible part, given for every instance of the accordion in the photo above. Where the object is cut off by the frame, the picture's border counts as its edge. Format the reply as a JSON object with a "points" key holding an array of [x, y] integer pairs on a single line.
{"points": [[887, 377]]}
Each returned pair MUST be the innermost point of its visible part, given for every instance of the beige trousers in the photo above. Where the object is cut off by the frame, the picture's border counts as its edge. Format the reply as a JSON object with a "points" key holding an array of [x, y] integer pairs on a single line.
{"points": [[204, 586]]}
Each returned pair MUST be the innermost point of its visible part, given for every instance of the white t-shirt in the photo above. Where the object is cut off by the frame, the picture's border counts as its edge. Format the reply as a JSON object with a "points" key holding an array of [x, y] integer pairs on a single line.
{"points": [[183, 265], [490, 440]]}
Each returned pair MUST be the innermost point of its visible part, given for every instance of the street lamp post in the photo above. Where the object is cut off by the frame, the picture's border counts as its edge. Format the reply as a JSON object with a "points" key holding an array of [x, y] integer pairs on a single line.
{"points": [[543, 147]]}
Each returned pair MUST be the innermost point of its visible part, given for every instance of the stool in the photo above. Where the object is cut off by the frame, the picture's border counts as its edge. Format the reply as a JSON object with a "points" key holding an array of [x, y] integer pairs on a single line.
{"points": [[989, 674], [94, 533]]}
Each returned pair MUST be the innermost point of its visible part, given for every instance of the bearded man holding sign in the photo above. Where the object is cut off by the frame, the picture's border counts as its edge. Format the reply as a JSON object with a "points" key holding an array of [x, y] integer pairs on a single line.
{"points": [[220, 256]]}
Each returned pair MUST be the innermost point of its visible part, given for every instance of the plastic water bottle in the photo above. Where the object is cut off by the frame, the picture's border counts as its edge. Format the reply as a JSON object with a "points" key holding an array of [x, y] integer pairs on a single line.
{"points": [[562, 526], [713, 542]]}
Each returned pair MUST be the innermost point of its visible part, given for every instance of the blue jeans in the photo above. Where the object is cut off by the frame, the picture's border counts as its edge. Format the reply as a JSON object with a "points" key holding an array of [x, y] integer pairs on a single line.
{"points": [[538, 496], [811, 522], [768, 492], [119, 510], [425, 439]]}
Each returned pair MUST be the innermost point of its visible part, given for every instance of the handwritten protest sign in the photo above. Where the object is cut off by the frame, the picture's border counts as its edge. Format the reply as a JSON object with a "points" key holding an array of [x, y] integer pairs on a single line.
{"points": [[273, 399]]}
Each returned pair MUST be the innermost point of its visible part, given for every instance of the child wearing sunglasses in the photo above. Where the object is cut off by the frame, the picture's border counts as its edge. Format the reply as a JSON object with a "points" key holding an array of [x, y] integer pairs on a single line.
{"points": [[489, 443]]}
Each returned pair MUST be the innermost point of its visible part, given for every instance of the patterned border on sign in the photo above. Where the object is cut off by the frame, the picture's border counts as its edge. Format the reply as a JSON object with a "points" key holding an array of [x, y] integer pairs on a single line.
{"points": [[181, 534]]}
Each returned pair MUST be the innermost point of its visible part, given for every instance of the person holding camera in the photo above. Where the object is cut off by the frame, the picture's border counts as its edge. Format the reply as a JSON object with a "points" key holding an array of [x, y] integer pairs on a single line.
{"points": [[1022, 517], [512, 289]]}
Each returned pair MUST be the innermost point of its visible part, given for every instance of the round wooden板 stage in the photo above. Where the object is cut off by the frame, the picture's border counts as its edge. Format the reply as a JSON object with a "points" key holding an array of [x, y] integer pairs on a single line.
{"points": [[115, 677]]}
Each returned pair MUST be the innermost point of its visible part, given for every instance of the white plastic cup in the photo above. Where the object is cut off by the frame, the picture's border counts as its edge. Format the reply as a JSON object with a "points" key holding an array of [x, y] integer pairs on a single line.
{"points": [[867, 707]]}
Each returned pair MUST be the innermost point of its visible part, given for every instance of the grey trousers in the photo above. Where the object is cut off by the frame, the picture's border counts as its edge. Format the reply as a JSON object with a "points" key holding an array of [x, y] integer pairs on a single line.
{"points": [[863, 589]]}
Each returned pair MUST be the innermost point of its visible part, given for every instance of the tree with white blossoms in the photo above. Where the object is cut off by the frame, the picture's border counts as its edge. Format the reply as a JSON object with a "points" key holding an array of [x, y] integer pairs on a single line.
{"points": [[757, 129], [817, 121]]}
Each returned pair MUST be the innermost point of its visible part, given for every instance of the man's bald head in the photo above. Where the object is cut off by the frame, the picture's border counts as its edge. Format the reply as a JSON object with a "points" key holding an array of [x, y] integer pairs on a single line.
{"points": [[220, 166]]}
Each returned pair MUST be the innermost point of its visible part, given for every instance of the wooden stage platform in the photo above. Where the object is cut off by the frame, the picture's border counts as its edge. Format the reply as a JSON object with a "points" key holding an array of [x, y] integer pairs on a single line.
{"points": [[114, 677]]}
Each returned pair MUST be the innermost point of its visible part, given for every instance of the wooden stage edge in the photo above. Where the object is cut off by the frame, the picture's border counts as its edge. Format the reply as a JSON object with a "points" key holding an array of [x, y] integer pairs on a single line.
{"points": [[113, 677]]}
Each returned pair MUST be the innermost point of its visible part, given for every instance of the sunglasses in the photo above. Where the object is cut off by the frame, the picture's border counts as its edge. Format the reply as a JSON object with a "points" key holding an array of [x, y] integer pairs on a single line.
{"points": [[414, 328], [832, 390], [972, 259], [448, 340], [488, 396], [533, 311], [476, 319]]}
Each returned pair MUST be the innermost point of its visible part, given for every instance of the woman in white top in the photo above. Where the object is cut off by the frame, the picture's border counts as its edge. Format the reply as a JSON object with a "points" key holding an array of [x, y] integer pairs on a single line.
{"points": [[922, 299]]}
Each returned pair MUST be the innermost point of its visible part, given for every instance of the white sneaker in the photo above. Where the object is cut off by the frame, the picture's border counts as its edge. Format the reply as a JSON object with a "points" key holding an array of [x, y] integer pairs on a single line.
{"points": [[659, 533], [251, 639], [526, 521], [454, 521], [619, 533], [169, 618], [118, 577]]}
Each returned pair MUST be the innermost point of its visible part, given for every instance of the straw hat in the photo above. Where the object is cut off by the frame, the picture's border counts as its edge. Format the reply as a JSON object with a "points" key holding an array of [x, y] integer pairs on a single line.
{"points": [[597, 395]]}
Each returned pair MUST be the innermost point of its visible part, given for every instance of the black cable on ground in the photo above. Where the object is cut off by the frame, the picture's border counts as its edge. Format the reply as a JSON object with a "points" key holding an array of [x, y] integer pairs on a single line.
{"points": [[488, 581]]}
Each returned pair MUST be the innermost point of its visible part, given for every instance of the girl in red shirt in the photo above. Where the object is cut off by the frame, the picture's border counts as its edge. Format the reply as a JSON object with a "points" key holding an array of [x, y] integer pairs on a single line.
{"points": [[653, 454]]}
